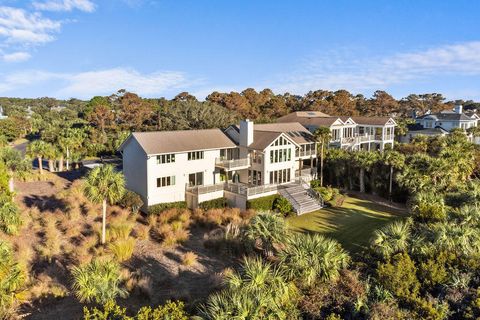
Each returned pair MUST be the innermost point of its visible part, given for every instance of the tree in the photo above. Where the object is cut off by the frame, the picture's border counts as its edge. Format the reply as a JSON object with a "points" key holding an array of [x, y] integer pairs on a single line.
{"points": [[307, 258], [258, 291], [14, 164], [51, 154], [395, 160], [322, 135], [10, 220], [38, 149], [104, 184], [266, 229], [364, 160], [97, 281], [70, 140]]}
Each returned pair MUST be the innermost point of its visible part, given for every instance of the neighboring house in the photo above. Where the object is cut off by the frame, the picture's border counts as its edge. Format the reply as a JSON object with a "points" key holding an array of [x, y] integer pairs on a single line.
{"points": [[353, 133], [448, 120], [1, 114], [440, 124], [242, 163]]}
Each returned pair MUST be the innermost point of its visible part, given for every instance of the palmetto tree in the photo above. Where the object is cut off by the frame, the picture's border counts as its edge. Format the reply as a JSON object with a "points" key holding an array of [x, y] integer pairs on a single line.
{"points": [[395, 160], [14, 163], [71, 139], [336, 159], [322, 136], [50, 153], [266, 229], [392, 239], [104, 184], [38, 149], [97, 281], [364, 160], [308, 258], [258, 291]]}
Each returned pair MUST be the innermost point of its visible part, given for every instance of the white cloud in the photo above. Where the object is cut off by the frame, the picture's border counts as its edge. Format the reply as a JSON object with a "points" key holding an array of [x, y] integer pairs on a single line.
{"points": [[102, 82], [16, 56], [64, 5], [20, 27], [343, 71]]}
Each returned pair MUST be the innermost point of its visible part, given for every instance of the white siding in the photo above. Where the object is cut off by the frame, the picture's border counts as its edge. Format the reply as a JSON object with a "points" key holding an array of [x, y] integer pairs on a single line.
{"points": [[134, 169]]}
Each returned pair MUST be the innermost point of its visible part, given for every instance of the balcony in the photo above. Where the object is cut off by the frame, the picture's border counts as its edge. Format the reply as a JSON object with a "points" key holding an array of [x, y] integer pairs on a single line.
{"points": [[206, 189], [234, 164], [243, 189], [305, 153]]}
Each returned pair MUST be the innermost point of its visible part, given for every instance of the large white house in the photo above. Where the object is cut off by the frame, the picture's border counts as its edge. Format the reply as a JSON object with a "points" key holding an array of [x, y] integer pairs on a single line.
{"points": [[241, 163], [353, 133]]}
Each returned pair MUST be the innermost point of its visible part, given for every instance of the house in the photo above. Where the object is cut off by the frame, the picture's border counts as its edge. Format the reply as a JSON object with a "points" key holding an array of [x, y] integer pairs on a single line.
{"points": [[243, 162], [1, 114], [448, 120], [440, 124], [353, 133]]}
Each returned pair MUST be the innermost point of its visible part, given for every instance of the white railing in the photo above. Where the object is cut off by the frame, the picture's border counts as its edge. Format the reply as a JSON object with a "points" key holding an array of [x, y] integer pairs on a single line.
{"points": [[232, 164], [245, 190], [305, 153], [304, 172], [206, 189]]}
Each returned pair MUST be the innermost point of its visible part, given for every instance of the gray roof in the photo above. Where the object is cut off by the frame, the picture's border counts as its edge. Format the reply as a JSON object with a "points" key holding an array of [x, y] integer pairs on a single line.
{"points": [[159, 142], [447, 116], [429, 131]]}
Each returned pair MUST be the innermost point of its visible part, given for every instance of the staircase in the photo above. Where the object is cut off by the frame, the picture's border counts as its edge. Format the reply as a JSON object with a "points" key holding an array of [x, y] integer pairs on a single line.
{"points": [[302, 197]]}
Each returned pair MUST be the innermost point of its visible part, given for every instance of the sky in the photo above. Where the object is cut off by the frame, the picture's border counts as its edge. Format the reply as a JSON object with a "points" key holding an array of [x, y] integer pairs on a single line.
{"points": [[82, 48]]}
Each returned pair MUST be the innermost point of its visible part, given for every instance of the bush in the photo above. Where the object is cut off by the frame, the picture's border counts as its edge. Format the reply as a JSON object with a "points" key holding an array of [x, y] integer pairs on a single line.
{"points": [[337, 201], [111, 311], [10, 220], [159, 208], [428, 206], [283, 206], [132, 201], [399, 276], [263, 203], [315, 184], [189, 259], [327, 193], [213, 204]]}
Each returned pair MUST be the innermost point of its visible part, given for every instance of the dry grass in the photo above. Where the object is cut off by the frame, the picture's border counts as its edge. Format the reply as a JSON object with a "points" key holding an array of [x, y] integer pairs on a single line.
{"points": [[189, 259], [52, 238], [122, 249], [142, 232], [222, 217]]}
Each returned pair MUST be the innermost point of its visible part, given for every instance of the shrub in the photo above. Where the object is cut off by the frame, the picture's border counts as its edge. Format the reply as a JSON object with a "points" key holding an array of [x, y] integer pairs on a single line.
{"points": [[132, 201], [169, 311], [327, 193], [429, 206], [11, 279], [97, 281], [282, 205], [263, 203], [189, 259], [159, 208], [315, 183], [214, 204], [399, 276], [122, 248], [10, 220], [337, 201]]}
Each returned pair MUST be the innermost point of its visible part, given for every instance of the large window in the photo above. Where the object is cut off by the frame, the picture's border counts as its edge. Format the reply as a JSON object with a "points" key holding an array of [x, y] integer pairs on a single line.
{"points": [[166, 158], [165, 181], [280, 155], [195, 179], [195, 155], [254, 177], [280, 176]]}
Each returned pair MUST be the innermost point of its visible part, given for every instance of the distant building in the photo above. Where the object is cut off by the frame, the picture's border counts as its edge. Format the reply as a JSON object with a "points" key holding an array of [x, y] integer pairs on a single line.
{"points": [[2, 116]]}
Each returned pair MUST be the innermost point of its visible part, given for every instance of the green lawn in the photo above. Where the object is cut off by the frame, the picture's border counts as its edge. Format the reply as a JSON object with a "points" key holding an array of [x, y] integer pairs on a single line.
{"points": [[352, 225]]}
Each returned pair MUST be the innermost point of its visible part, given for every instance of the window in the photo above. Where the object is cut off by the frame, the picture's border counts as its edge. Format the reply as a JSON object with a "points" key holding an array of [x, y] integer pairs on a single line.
{"points": [[280, 176], [166, 158], [195, 179], [195, 155], [165, 181], [280, 155]]}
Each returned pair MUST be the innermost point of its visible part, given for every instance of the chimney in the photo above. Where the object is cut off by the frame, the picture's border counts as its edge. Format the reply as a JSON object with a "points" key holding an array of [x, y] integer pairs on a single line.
{"points": [[459, 109], [246, 132]]}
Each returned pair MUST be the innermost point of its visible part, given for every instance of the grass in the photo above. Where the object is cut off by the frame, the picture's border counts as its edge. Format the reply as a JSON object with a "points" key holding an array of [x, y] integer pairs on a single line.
{"points": [[352, 225]]}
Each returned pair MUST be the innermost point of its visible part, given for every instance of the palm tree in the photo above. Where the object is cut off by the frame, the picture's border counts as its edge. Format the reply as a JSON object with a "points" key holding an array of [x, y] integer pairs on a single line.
{"points": [[322, 136], [38, 149], [104, 184], [391, 239], [258, 291], [265, 230], [364, 160], [10, 220], [71, 139], [395, 160], [336, 159], [307, 258], [97, 281], [14, 163], [50, 154]]}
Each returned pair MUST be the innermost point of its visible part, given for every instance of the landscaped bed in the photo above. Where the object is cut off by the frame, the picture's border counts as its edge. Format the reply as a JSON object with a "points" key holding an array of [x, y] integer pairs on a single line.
{"points": [[352, 224]]}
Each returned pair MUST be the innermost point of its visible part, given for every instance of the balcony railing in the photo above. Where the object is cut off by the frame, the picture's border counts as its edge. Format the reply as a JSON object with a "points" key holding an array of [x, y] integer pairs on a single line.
{"points": [[365, 138], [232, 164], [246, 190], [207, 189], [305, 172], [305, 153]]}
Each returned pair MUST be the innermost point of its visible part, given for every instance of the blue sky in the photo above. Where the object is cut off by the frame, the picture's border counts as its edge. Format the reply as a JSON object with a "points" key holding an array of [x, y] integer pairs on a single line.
{"points": [[82, 48]]}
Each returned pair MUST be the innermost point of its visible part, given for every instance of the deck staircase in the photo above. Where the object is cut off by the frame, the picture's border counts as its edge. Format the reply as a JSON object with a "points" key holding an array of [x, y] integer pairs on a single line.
{"points": [[302, 197]]}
